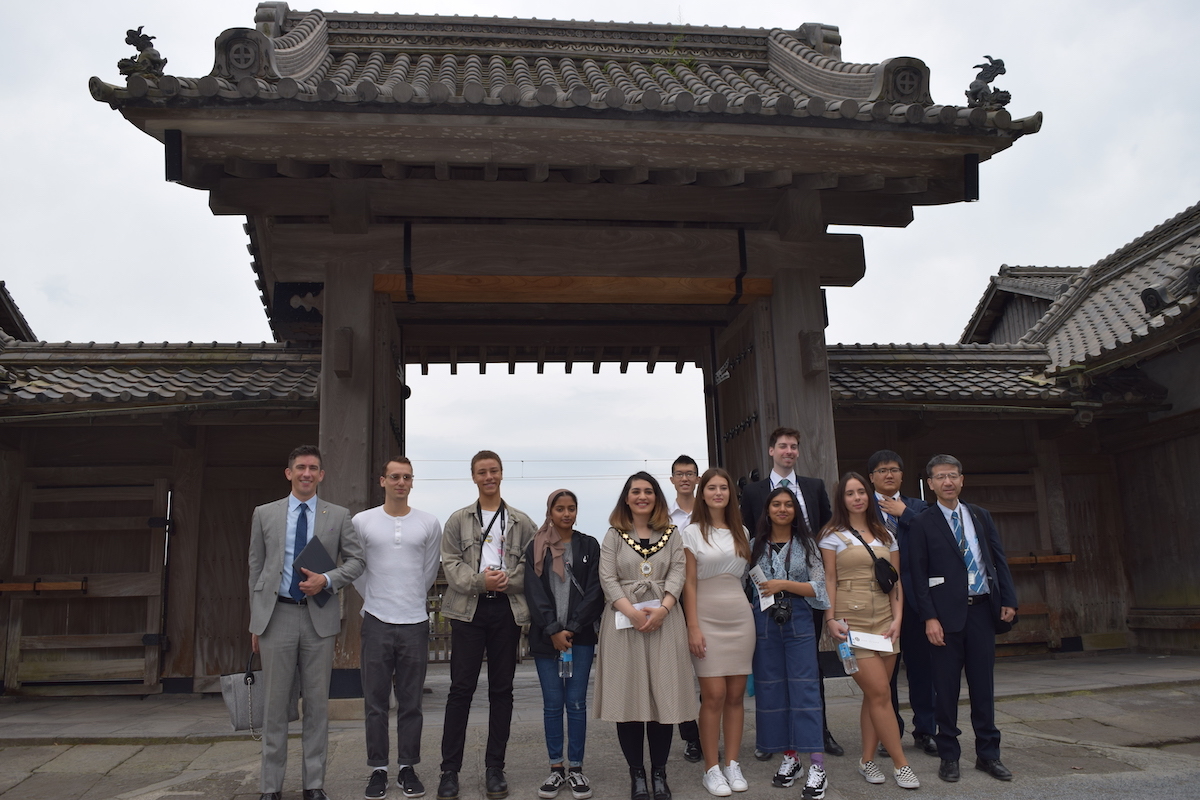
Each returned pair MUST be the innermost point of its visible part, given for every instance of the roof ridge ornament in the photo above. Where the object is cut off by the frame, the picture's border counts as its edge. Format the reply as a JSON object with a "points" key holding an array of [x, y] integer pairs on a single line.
{"points": [[149, 62], [980, 95]]}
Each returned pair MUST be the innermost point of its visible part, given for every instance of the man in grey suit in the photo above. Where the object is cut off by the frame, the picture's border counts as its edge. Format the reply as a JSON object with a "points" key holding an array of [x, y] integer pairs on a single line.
{"points": [[288, 628]]}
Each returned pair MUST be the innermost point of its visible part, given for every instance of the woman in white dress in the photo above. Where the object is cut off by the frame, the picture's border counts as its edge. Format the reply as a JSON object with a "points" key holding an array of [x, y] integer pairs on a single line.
{"points": [[720, 625]]}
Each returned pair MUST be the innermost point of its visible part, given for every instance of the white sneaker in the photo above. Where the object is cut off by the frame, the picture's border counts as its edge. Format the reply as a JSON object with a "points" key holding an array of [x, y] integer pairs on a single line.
{"points": [[715, 783], [814, 787], [906, 778], [733, 776], [785, 776], [871, 772]]}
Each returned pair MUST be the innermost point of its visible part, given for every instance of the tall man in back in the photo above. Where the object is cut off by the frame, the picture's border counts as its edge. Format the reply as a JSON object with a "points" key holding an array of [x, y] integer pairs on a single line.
{"points": [[964, 593], [783, 446], [483, 558], [402, 548], [288, 627], [684, 474], [885, 470]]}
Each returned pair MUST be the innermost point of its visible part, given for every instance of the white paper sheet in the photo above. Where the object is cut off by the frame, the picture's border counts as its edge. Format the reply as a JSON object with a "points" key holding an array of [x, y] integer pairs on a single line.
{"points": [[758, 577], [624, 621], [870, 641]]}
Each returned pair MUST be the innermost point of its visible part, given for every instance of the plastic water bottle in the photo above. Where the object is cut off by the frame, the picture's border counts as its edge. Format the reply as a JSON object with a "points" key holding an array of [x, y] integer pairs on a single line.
{"points": [[849, 662], [566, 664]]}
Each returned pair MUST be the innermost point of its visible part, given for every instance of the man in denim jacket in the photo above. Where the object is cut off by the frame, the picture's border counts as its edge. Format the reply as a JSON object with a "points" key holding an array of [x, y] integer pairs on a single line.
{"points": [[483, 557]]}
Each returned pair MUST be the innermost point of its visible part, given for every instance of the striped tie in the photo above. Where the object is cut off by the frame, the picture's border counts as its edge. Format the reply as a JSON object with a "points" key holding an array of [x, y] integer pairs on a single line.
{"points": [[977, 585]]}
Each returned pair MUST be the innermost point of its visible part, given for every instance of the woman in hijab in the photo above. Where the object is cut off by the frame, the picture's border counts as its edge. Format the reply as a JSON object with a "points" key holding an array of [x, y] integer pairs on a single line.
{"points": [[565, 602]]}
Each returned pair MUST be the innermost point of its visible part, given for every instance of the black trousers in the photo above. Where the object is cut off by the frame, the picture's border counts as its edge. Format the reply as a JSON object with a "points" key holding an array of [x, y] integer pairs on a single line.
{"points": [[973, 650], [918, 669], [494, 633], [819, 626], [394, 657]]}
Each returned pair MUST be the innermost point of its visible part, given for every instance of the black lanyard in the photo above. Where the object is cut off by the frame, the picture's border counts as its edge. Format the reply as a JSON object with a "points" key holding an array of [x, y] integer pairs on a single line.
{"points": [[499, 513]]}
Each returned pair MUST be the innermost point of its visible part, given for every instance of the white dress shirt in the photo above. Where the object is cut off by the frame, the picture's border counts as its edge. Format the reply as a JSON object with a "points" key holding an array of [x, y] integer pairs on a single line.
{"points": [[791, 479]]}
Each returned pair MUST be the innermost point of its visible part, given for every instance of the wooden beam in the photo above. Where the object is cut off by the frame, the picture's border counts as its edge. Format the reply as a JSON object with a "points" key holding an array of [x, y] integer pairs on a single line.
{"points": [[544, 289], [580, 199], [722, 178], [673, 177], [349, 209], [769, 180], [491, 171], [538, 173], [292, 168], [348, 170], [627, 175], [588, 174], [798, 215], [394, 170], [860, 183]]}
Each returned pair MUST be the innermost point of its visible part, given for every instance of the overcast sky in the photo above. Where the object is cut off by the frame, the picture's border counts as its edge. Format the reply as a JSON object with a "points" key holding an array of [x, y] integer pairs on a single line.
{"points": [[99, 247]]}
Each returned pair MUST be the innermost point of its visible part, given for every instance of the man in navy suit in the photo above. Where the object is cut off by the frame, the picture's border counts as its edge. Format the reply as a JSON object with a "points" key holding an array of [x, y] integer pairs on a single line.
{"points": [[963, 590], [885, 470], [783, 446]]}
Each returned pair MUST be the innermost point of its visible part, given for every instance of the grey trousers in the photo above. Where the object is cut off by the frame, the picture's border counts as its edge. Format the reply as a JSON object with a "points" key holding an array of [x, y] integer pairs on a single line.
{"points": [[288, 641], [393, 657]]}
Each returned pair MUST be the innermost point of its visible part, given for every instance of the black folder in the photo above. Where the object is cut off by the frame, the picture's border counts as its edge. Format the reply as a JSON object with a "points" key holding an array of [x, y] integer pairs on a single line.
{"points": [[315, 558]]}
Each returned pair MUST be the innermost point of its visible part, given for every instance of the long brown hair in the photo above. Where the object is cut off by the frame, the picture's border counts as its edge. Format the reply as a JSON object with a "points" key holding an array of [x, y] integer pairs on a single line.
{"points": [[841, 516], [702, 517], [621, 517]]}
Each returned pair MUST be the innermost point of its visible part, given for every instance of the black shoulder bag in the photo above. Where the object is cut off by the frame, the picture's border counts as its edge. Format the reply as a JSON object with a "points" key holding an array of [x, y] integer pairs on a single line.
{"points": [[885, 573]]}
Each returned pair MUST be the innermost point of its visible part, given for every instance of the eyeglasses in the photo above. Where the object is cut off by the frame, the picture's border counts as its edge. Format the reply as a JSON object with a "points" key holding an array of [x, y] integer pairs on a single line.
{"points": [[397, 477], [888, 471], [683, 474], [946, 476]]}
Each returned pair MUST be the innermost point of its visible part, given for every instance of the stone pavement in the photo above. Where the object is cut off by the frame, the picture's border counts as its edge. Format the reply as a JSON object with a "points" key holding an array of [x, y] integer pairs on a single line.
{"points": [[1092, 726]]}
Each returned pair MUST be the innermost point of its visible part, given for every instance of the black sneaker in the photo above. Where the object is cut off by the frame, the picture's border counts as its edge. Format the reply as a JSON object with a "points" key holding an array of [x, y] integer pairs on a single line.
{"points": [[409, 783], [377, 785], [448, 786], [580, 788], [549, 788], [692, 751], [785, 776], [497, 786]]}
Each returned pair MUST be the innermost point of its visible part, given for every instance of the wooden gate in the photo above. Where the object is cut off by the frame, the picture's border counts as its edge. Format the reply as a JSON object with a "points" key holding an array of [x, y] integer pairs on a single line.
{"points": [[86, 610], [745, 390]]}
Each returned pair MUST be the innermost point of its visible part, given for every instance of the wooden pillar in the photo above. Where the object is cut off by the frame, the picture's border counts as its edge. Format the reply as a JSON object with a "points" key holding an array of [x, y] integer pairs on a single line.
{"points": [[12, 469], [347, 380], [388, 400], [187, 487], [802, 370]]}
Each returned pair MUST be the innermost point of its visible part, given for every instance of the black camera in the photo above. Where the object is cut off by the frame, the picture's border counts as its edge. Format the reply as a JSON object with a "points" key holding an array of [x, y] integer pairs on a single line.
{"points": [[781, 612]]}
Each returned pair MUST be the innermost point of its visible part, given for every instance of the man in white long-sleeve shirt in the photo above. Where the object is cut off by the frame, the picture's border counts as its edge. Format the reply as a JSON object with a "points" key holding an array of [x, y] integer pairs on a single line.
{"points": [[401, 547]]}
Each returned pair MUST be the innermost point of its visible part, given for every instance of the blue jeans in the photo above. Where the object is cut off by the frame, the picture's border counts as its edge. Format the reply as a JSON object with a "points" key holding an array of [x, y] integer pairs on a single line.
{"points": [[570, 693]]}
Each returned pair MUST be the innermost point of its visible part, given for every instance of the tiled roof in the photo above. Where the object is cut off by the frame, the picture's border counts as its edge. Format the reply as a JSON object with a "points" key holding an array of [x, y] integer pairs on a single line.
{"points": [[374, 62], [12, 321], [1103, 308], [41, 374], [1046, 283], [970, 374]]}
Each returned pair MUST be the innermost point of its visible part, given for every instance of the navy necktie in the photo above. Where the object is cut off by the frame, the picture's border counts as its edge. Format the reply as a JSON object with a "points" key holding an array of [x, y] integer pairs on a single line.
{"points": [[298, 546]]}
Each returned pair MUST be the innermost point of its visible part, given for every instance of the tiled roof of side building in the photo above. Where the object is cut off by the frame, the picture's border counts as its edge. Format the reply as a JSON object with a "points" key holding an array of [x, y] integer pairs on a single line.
{"points": [[1046, 283], [41, 375], [1105, 308], [971, 374], [12, 321], [373, 62]]}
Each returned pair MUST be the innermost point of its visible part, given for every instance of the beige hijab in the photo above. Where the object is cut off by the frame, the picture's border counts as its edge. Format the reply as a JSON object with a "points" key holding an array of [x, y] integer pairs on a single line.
{"points": [[548, 538]]}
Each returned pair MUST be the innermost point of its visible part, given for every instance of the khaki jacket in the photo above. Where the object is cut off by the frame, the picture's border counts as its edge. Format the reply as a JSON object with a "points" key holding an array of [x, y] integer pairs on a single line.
{"points": [[462, 547]]}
